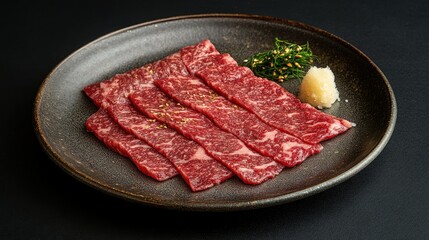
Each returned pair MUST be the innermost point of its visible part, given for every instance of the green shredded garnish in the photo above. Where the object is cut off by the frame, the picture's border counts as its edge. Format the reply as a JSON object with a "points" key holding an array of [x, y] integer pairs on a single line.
{"points": [[286, 61]]}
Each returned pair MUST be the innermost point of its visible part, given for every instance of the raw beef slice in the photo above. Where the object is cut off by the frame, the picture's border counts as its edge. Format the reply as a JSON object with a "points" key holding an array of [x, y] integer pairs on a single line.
{"points": [[144, 157], [263, 138], [199, 170], [248, 165]]}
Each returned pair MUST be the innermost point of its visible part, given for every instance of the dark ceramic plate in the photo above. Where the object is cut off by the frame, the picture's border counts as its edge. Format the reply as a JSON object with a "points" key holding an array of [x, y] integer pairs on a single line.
{"points": [[61, 109]]}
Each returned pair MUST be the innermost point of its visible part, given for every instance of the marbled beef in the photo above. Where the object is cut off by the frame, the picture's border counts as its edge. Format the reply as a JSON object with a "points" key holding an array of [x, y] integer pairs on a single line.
{"points": [[249, 166], [261, 137], [144, 157], [115, 90], [199, 170]]}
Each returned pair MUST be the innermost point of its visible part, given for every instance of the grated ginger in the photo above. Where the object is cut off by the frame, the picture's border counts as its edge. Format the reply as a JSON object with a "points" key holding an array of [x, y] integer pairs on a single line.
{"points": [[318, 88]]}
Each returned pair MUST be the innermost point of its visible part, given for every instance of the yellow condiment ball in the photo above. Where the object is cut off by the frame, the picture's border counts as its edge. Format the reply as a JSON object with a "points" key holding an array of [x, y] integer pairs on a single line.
{"points": [[318, 88]]}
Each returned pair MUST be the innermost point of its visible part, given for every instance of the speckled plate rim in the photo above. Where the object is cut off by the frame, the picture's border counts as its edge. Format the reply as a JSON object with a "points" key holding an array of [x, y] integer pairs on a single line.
{"points": [[213, 206]]}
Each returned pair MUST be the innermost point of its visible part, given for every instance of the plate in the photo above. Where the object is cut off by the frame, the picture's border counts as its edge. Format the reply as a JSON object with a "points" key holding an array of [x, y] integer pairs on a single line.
{"points": [[61, 109]]}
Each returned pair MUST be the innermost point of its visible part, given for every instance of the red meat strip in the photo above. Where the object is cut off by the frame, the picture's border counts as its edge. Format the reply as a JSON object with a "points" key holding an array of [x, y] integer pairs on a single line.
{"points": [[194, 57], [116, 89], [272, 103], [93, 91], [199, 170], [169, 66], [248, 165], [143, 156], [261, 137]]}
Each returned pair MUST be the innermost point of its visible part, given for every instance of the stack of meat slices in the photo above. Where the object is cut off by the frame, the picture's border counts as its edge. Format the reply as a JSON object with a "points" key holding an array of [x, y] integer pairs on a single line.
{"points": [[198, 114]]}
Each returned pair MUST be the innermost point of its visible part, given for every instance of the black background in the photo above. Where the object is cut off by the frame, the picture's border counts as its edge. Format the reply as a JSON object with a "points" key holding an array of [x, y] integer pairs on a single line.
{"points": [[387, 200]]}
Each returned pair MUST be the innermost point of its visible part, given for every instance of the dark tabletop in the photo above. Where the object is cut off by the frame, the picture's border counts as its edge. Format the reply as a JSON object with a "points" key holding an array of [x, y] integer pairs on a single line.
{"points": [[389, 199]]}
